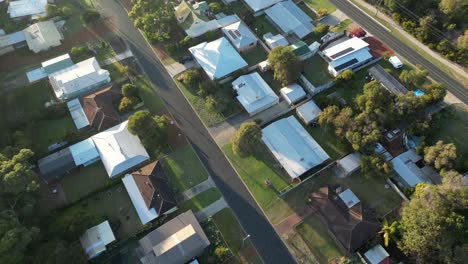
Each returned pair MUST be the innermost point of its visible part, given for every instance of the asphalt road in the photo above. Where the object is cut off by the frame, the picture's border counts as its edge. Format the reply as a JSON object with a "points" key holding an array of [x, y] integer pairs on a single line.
{"points": [[262, 234], [412, 56]]}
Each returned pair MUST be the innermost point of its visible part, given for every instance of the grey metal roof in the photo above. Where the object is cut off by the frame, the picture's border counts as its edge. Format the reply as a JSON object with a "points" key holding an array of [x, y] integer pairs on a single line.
{"points": [[54, 166], [387, 80]]}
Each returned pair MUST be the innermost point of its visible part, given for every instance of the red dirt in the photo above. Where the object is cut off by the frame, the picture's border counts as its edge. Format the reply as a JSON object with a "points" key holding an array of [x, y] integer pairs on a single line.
{"points": [[377, 48], [292, 220]]}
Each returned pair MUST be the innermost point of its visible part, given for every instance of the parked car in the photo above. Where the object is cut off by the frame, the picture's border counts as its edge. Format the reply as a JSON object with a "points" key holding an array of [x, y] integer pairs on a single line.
{"points": [[396, 62], [184, 59], [357, 32]]}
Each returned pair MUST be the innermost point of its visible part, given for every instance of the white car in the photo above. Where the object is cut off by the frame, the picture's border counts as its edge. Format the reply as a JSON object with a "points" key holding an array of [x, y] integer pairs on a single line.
{"points": [[396, 62]]}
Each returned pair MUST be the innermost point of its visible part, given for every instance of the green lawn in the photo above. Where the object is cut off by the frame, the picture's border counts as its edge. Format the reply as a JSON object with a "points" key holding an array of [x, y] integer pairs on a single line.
{"points": [[87, 180], [318, 240], [307, 10], [33, 97], [453, 129], [255, 171], [268, 77], [315, 70], [255, 56], [104, 52], [117, 71], [152, 101], [318, 4], [45, 133], [342, 26], [184, 169], [261, 26], [200, 201]]}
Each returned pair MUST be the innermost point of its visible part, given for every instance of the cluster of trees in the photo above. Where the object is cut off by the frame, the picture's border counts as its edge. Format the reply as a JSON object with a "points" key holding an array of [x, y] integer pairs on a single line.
{"points": [[155, 18], [441, 24], [131, 97], [285, 65], [152, 130], [54, 11]]}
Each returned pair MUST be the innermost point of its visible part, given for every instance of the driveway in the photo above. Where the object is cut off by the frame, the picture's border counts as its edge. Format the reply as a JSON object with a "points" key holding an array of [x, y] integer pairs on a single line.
{"points": [[250, 216]]}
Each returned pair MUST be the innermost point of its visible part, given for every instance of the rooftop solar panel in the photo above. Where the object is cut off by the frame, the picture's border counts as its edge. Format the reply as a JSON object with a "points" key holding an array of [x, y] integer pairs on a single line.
{"points": [[346, 64], [341, 53]]}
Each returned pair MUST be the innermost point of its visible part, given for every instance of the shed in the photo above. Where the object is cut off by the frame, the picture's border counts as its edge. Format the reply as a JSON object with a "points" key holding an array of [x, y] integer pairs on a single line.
{"points": [[84, 152], [42, 36], [308, 112], [377, 255], [95, 239], [275, 41], [77, 113], [56, 165], [301, 50], [293, 93], [387, 80], [350, 163]]}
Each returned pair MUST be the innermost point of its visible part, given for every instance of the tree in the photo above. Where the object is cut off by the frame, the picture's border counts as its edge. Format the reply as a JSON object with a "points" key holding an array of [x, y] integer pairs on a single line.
{"points": [[449, 7], [152, 130], [130, 90], [80, 53], [345, 78], [58, 252], [247, 139], [374, 165], [71, 224], [14, 243], [322, 12], [192, 77], [285, 65], [416, 77], [321, 29], [16, 175], [441, 156], [127, 103], [90, 16], [462, 41], [388, 231], [328, 115], [215, 7]]}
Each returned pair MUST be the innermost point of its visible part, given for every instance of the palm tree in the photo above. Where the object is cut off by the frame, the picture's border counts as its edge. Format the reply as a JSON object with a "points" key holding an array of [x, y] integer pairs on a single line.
{"points": [[388, 231]]}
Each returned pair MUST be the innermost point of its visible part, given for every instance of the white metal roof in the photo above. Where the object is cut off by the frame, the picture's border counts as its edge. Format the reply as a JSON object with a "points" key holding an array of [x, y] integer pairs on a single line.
{"points": [[293, 93], [258, 5], [119, 149], [309, 111], [344, 48], [95, 239], [84, 152], [404, 165], [254, 93], [55, 60], [77, 77], [350, 162], [376, 254], [218, 58], [42, 36], [290, 18], [293, 146], [145, 214], [239, 34], [77, 113], [349, 198], [21, 8], [275, 40]]}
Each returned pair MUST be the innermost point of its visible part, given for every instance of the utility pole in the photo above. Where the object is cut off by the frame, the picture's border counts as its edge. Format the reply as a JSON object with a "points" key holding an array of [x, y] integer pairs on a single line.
{"points": [[377, 7]]}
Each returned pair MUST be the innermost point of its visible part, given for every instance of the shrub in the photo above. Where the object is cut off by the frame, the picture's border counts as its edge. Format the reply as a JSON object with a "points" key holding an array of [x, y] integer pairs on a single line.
{"points": [[78, 54], [127, 103], [90, 16], [247, 139], [321, 29], [130, 90], [215, 7], [192, 77], [322, 12]]}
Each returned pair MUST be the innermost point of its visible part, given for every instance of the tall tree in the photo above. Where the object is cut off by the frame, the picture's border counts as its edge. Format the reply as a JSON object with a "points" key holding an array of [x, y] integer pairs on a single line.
{"points": [[441, 156], [152, 130], [247, 139], [375, 166], [462, 41], [285, 65], [388, 231]]}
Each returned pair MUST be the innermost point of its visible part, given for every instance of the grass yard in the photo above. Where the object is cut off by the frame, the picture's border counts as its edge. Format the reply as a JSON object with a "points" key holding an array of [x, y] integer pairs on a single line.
{"points": [[200, 201], [87, 180], [315, 70], [47, 132], [33, 97], [254, 172], [307, 10], [268, 77], [117, 71], [255, 56], [152, 101], [184, 169], [318, 240], [104, 52], [319, 4], [453, 129], [342, 26], [261, 26]]}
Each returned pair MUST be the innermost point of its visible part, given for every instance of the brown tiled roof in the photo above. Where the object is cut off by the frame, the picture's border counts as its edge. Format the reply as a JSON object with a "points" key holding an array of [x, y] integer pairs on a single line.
{"points": [[99, 108], [353, 227], [153, 185]]}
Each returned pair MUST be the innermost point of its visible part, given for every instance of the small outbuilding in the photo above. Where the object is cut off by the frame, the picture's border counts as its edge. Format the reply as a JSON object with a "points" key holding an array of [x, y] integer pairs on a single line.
{"points": [[293, 93], [274, 41], [349, 164], [308, 112], [95, 240], [22, 8], [42, 36], [377, 255], [301, 50], [54, 166], [387, 80], [84, 152]]}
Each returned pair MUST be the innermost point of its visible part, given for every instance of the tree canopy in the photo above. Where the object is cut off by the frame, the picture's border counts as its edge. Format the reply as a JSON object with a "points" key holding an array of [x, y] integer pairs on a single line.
{"points": [[285, 65], [374, 165], [152, 130], [441, 156], [247, 139]]}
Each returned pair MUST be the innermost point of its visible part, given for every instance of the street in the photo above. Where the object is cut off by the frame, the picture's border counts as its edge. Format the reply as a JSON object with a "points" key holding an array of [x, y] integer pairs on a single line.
{"points": [[412, 56], [250, 216]]}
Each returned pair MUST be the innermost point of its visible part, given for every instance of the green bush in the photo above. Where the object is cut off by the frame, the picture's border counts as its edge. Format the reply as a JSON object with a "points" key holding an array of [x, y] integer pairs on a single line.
{"points": [[321, 29], [130, 90], [127, 103], [90, 16], [78, 54], [192, 77]]}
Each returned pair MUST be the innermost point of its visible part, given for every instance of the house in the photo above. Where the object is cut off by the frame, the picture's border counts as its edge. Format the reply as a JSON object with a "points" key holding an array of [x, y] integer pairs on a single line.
{"points": [[377, 255], [349, 54], [9, 42], [301, 50], [348, 220], [254, 93], [412, 170], [119, 149], [95, 239], [275, 41], [387, 80], [96, 110], [149, 192], [22, 8], [177, 241], [57, 64], [217, 58], [240, 36], [290, 19], [258, 6], [42, 36], [293, 147], [349, 163], [293, 93], [308, 112], [54, 166], [78, 79]]}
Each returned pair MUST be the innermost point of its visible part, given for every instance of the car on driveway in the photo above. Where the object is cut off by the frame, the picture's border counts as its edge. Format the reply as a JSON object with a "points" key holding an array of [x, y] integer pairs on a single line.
{"points": [[184, 59]]}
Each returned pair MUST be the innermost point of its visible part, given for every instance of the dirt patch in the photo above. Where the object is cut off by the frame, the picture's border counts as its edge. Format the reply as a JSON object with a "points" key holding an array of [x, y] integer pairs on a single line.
{"points": [[377, 48]]}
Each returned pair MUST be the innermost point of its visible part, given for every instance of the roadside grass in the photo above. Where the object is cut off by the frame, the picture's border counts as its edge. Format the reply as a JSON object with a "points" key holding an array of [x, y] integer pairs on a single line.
{"points": [[342, 26], [200, 201], [255, 56], [315, 70], [254, 171], [184, 169], [117, 71], [85, 181], [151, 100], [318, 240], [416, 47], [318, 4], [453, 129], [261, 26]]}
